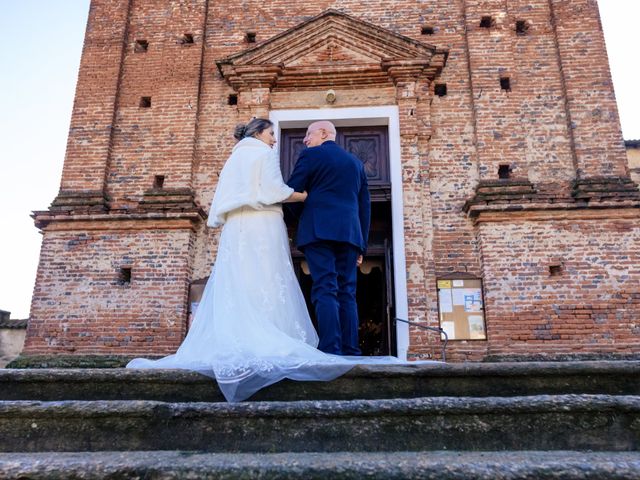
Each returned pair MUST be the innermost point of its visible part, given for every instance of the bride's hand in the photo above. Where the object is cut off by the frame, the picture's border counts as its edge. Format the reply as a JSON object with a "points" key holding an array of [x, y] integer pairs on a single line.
{"points": [[296, 197]]}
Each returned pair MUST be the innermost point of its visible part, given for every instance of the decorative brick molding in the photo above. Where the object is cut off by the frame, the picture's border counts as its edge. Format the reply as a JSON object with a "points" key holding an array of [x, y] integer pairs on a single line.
{"points": [[606, 189], [510, 193], [135, 219], [160, 199], [332, 49], [156, 204], [522, 195], [80, 201]]}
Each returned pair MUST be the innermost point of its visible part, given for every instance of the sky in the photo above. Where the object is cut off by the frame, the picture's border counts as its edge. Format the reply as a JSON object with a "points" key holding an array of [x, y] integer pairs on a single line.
{"points": [[39, 59]]}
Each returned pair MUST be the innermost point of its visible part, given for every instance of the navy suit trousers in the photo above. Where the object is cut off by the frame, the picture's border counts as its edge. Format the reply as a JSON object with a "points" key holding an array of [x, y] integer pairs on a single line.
{"points": [[333, 267]]}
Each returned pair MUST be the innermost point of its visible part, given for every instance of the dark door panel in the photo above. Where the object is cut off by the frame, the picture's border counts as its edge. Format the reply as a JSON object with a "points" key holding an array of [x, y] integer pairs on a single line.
{"points": [[290, 148], [369, 144]]}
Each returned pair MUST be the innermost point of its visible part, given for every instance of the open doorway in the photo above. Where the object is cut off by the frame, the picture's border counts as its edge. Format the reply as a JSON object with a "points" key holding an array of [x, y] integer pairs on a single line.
{"points": [[375, 295]]}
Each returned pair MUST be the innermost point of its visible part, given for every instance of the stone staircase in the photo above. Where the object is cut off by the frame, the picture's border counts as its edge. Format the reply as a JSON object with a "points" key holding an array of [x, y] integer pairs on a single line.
{"points": [[569, 420]]}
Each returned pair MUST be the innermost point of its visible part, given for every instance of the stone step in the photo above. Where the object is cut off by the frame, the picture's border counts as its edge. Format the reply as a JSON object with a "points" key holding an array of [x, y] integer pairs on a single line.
{"points": [[372, 382], [168, 465], [546, 422]]}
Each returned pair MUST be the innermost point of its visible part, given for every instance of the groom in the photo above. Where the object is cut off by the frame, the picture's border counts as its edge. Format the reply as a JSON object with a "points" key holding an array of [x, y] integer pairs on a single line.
{"points": [[332, 233]]}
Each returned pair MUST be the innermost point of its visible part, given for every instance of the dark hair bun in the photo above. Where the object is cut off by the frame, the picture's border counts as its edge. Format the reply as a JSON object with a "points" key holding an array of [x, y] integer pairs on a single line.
{"points": [[254, 127], [240, 132]]}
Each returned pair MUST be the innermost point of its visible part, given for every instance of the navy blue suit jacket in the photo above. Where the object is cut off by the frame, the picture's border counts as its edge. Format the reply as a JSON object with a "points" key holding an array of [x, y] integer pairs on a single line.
{"points": [[338, 206]]}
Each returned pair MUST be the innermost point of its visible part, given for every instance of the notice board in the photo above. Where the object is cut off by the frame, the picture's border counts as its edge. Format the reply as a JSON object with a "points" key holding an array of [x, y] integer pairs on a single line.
{"points": [[460, 303]]}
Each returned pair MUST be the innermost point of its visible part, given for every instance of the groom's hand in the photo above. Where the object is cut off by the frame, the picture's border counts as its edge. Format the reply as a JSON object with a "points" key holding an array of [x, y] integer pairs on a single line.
{"points": [[359, 261]]}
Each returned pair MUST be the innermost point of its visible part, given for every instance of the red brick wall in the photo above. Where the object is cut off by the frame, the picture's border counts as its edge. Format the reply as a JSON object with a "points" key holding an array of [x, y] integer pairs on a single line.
{"points": [[592, 305], [557, 123], [80, 305], [159, 140], [89, 142], [593, 115]]}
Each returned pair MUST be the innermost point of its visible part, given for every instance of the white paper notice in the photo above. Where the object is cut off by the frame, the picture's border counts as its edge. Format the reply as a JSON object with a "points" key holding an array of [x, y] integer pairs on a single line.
{"points": [[444, 297], [476, 327], [458, 296], [449, 328], [458, 283]]}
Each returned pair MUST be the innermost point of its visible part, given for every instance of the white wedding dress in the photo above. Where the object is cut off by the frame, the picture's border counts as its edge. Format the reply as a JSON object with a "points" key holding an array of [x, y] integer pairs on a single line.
{"points": [[251, 327]]}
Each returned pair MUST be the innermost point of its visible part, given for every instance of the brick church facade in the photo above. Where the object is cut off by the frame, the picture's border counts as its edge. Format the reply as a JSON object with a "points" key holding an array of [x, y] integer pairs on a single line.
{"points": [[504, 212]]}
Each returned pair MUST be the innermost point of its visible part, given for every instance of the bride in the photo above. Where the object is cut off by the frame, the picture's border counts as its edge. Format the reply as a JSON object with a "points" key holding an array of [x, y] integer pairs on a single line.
{"points": [[252, 328]]}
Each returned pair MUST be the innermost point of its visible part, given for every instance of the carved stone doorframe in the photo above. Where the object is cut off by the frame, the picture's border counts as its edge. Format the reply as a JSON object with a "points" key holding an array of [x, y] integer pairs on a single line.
{"points": [[367, 116]]}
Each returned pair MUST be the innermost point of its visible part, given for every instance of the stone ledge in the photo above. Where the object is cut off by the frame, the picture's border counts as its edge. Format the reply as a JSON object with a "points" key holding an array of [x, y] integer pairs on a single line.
{"points": [[314, 410], [562, 357], [437, 465], [71, 361], [545, 422], [120, 361], [363, 382]]}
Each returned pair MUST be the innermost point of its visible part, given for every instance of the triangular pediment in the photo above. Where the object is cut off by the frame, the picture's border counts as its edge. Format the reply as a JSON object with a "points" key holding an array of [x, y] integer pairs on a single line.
{"points": [[333, 51], [332, 47]]}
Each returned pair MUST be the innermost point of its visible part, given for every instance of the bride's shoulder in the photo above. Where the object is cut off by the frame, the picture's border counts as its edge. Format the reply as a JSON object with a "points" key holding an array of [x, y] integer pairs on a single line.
{"points": [[253, 144], [248, 150]]}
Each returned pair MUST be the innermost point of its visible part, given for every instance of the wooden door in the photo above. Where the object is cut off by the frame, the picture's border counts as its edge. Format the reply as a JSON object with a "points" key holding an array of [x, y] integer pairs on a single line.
{"points": [[369, 144], [375, 279]]}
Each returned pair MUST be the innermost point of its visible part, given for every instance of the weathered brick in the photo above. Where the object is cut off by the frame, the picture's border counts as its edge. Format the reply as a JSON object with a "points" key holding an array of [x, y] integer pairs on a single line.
{"points": [[568, 200]]}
